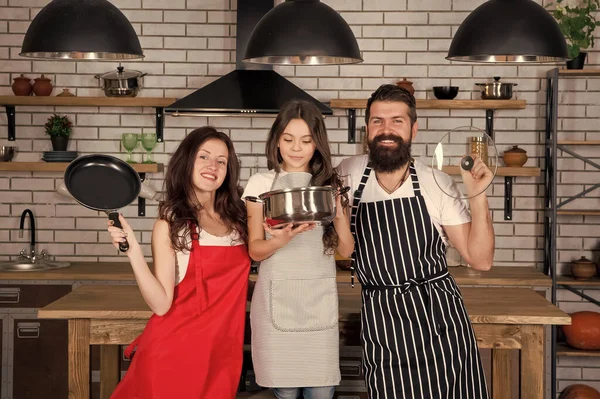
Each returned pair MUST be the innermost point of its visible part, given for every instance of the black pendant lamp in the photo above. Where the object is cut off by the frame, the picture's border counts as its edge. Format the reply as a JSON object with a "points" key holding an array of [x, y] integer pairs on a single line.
{"points": [[302, 32], [508, 31], [81, 29]]}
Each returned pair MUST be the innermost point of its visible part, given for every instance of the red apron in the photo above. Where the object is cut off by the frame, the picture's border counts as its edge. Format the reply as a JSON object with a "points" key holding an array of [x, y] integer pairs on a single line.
{"points": [[195, 350]]}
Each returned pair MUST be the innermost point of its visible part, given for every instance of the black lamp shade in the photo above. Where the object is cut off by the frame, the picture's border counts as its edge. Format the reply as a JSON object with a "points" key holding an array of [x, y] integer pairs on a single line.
{"points": [[302, 32], [509, 31], [81, 29]]}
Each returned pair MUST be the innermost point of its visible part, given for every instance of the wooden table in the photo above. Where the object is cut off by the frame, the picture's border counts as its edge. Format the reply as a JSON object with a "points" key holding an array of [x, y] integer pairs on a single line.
{"points": [[503, 318]]}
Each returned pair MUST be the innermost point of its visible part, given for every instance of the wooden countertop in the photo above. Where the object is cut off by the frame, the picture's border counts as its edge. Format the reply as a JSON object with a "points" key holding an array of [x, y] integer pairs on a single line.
{"points": [[485, 305], [521, 276]]}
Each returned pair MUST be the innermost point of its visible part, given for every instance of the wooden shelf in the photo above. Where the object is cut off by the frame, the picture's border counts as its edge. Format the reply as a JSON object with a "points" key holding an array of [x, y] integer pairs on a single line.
{"points": [[578, 213], [88, 101], [579, 72], [568, 280], [439, 104], [502, 171], [579, 142], [566, 350], [61, 166]]}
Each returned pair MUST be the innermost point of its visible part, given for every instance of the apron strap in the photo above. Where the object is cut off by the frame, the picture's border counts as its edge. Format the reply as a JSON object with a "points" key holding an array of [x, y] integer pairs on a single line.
{"points": [[355, 202]]}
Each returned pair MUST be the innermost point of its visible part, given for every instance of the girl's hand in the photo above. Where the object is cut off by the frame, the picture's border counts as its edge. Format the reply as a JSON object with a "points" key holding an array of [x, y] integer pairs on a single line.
{"points": [[119, 235], [285, 234], [339, 209]]}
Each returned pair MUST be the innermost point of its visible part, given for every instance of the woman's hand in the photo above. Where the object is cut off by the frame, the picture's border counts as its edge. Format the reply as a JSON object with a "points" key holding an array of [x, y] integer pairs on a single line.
{"points": [[285, 234], [120, 235]]}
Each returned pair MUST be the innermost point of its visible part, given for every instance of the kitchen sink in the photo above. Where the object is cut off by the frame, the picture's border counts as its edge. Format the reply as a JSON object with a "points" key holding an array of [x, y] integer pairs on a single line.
{"points": [[27, 266]]}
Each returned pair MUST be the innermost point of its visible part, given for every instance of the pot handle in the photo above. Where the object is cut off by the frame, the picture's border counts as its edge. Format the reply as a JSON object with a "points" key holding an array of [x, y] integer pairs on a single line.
{"points": [[143, 74], [254, 199]]}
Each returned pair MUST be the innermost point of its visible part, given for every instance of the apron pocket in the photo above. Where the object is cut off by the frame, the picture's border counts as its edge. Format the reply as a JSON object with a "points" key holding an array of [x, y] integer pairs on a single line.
{"points": [[304, 305]]}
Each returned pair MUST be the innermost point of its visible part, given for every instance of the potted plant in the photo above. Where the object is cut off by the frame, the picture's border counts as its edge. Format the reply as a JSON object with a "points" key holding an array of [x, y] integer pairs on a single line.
{"points": [[59, 129], [577, 23]]}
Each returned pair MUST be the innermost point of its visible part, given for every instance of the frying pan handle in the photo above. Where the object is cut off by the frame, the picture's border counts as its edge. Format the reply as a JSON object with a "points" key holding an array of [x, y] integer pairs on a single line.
{"points": [[114, 216]]}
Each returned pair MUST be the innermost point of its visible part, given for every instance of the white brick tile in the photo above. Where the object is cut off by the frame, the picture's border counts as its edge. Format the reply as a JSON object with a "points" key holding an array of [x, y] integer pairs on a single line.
{"points": [[362, 18], [213, 30], [384, 5], [208, 56], [361, 70], [123, 4], [165, 55], [227, 43], [405, 44], [405, 18], [325, 70], [428, 31], [165, 81], [160, 4], [15, 66], [450, 71], [153, 42], [466, 5], [307, 83], [186, 42], [388, 57], [339, 83], [208, 4], [384, 31], [144, 15], [220, 17], [11, 39], [18, 26], [370, 44], [428, 5], [163, 29], [568, 373], [447, 18], [185, 16], [14, 13], [31, 184], [426, 58], [345, 5], [186, 68]]}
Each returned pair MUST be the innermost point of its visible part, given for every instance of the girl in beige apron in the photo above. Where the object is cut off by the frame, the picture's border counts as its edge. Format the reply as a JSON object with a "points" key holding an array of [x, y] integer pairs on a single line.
{"points": [[294, 311]]}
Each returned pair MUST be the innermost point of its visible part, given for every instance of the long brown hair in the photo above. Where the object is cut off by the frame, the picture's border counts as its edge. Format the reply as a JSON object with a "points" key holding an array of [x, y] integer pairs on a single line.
{"points": [[320, 165], [180, 205]]}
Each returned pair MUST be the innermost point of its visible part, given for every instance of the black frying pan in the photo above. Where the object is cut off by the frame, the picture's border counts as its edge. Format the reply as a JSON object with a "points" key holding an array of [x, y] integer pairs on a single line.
{"points": [[103, 183]]}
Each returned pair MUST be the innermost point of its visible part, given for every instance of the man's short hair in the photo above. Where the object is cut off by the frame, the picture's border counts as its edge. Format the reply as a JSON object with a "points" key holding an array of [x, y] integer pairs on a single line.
{"points": [[393, 93]]}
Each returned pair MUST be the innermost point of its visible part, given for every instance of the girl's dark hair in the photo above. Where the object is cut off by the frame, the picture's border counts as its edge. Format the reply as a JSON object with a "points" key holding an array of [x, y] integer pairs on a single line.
{"points": [[180, 205], [320, 165]]}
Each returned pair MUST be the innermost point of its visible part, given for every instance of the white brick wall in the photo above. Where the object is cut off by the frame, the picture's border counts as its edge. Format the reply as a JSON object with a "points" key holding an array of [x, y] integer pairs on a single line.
{"points": [[191, 43]]}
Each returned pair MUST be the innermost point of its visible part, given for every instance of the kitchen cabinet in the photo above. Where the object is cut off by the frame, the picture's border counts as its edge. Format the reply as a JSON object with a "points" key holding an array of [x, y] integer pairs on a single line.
{"points": [[553, 211], [34, 351]]}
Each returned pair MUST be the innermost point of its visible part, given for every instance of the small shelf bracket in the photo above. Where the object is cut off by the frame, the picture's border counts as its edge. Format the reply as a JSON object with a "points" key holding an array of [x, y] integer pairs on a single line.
{"points": [[10, 116], [142, 201], [351, 126], [160, 123]]}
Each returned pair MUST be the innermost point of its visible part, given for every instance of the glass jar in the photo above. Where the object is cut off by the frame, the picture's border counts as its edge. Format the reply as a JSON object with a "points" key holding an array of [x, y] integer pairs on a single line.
{"points": [[479, 146]]}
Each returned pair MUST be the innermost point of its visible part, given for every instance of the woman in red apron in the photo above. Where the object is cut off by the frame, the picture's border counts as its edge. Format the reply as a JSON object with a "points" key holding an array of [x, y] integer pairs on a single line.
{"points": [[192, 346]]}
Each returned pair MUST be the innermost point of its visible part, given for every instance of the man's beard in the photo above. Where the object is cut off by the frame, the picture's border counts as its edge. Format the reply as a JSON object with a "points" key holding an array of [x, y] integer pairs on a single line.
{"points": [[389, 159]]}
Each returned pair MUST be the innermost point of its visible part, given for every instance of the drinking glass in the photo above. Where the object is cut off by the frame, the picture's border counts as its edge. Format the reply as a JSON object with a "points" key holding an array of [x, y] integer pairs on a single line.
{"points": [[129, 141], [148, 143]]}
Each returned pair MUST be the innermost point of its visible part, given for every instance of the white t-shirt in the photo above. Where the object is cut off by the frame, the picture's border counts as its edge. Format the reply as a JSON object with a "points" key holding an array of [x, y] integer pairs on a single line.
{"points": [[443, 209], [205, 239], [260, 183]]}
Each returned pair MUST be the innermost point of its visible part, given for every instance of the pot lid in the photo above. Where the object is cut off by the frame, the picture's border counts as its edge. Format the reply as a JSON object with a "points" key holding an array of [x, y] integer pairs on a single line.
{"points": [[121, 73], [515, 149], [583, 260], [496, 82]]}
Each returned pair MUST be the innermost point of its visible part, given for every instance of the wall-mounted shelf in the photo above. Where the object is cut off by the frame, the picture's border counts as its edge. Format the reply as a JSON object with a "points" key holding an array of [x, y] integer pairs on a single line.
{"points": [[488, 105], [578, 142], [566, 350], [159, 103], [579, 72], [141, 168], [578, 212], [61, 166], [568, 280], [502, 171]]}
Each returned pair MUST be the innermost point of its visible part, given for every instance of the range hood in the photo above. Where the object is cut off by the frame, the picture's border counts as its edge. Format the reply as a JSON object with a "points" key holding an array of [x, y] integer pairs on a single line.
{"points": [[250, 88]]}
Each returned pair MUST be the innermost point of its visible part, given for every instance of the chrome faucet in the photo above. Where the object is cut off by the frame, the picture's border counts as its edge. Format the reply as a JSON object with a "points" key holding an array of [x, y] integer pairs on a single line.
{"points": [[32, 256]]}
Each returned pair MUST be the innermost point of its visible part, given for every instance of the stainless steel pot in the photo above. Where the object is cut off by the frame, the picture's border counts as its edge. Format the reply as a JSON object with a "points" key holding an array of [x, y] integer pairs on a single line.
{"points": [[121, 83], [496, 90], [314, 204]]}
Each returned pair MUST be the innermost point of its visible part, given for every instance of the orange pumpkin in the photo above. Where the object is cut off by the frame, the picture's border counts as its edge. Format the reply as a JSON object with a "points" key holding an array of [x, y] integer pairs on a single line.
{"points": [[584, 331], [579, 391]]}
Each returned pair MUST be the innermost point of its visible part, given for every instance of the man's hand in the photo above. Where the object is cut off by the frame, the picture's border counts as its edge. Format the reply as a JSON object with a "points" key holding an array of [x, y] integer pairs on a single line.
{"points": [[478, 178]]}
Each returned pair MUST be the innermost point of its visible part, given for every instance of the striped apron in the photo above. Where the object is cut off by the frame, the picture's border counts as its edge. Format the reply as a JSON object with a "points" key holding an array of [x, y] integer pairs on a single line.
{"points": [[417, 338]]}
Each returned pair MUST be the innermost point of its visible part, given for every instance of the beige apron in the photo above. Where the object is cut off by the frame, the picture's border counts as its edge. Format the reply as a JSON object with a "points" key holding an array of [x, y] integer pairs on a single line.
{"points": [[294, 312]]}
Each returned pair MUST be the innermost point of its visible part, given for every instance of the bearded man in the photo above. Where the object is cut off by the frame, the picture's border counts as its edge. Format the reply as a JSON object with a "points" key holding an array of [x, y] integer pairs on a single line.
{"points": [[416, 335]]}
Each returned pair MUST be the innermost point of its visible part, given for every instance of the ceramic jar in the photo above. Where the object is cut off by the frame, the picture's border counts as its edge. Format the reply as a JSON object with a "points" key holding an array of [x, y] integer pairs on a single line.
{"points": [[22, 86], [42, 86], [406, 84], [583, 269], [515, 157]]}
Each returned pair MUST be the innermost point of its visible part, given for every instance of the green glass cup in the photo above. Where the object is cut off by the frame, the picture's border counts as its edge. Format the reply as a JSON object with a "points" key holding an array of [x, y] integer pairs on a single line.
{"points": [[129, 142], [148, 143]]}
